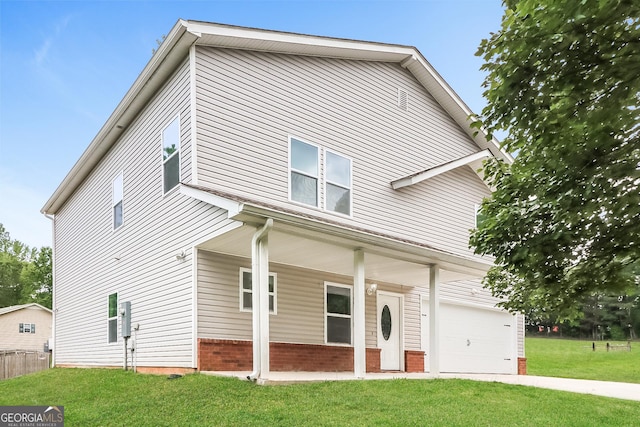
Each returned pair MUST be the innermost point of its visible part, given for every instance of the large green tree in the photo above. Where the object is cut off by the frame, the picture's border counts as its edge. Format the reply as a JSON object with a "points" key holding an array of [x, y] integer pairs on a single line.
{"points": [[563, 82], [25, 273]]}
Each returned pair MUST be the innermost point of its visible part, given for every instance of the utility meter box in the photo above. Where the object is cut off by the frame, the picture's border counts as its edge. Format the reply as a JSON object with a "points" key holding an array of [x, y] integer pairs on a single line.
{"points": [[125, 313]]}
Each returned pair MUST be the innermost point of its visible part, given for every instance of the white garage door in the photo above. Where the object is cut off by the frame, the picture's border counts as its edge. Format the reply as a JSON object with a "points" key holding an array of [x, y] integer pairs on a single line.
{"points": [[474, 340]]}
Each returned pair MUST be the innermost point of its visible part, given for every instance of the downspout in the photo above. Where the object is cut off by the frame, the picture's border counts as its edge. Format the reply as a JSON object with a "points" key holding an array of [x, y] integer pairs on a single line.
{"points": [[256, 262], [54, 309]]}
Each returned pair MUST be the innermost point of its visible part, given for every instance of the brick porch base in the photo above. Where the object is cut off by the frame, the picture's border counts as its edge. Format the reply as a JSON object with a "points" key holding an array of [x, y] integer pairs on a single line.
{"points": [[522, 366], [233, 355]]}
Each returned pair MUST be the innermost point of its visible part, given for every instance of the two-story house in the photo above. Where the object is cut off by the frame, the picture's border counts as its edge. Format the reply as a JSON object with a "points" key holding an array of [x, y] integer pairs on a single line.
{"points": [[269, 201]]}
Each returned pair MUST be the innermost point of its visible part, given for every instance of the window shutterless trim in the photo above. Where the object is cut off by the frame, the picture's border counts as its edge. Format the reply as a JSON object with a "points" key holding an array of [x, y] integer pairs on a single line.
{"points": [[243, 291], [115, 202], [326, 181], [292, 169], [110, 318], [350, 316], [175, 119]]}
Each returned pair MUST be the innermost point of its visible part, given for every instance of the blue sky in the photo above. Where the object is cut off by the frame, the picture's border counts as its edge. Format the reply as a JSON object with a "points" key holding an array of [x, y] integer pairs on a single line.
{"points": [[65, 65]]}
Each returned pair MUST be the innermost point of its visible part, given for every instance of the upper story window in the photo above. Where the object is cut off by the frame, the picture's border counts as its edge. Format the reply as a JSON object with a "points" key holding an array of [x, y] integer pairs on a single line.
{"points": [[304, 172], [306, 176], [117, 192], [338, 183], [112, 322], [246, 291], [171, 155], [479, 215]]}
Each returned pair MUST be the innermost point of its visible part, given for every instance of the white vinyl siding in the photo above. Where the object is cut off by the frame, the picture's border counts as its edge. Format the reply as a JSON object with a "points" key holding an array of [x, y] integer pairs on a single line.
{"points": [[301, 306], [243, 124], [301, 294], [118, 196], [139, 261], [246, 293]]}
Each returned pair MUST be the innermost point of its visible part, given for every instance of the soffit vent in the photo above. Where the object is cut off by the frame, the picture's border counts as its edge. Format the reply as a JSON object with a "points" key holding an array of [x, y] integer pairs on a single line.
{"points": [[403, 99]]}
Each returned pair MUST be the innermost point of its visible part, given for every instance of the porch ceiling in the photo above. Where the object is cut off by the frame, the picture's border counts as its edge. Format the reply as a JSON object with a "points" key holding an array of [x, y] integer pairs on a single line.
{"points": [[319, 251]]}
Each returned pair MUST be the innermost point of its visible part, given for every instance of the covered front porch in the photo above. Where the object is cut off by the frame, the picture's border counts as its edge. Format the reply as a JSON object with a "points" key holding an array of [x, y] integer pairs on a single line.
{"points": [[387, 281]]}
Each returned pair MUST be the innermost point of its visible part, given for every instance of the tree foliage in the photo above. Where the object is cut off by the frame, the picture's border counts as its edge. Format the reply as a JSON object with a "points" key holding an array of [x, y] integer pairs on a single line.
{"points": [[564, 83], [25, 273]]}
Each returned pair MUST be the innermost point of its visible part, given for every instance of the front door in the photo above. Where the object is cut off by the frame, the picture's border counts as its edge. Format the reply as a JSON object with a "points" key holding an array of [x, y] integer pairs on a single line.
{"points": [[389, 329]]}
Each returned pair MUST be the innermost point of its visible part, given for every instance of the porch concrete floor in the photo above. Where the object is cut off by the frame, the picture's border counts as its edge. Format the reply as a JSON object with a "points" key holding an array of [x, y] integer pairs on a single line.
{"points": [[617, 390]]}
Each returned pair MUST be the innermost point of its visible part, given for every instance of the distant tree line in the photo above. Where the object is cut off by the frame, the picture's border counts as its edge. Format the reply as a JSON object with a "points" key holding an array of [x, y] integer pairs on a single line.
{"points": [[600, 317], [25, 273]]}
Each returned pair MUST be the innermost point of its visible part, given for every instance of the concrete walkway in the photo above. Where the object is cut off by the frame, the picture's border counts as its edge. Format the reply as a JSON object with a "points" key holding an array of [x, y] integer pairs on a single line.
{"points": [[616, 390], [626, 391]]}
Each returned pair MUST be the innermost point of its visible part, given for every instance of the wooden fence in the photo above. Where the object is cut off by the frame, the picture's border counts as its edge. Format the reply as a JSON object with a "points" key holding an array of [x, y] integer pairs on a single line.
{"points": [[14, 363]]}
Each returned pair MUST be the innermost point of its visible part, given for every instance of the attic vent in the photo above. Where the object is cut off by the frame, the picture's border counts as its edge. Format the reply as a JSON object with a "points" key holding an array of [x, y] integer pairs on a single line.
{"points": [[403, 99]]}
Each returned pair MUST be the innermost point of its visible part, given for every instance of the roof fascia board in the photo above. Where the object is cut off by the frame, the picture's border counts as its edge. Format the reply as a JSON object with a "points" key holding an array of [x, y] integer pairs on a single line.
{"points": [[250, 214], [446, 167], [15, 308], [173, 49], [231, 206], [294, 43]]}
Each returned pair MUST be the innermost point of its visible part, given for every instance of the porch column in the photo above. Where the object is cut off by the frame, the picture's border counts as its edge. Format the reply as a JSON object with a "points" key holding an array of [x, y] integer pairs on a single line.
{"points": [[434, 319], [359, 346]]}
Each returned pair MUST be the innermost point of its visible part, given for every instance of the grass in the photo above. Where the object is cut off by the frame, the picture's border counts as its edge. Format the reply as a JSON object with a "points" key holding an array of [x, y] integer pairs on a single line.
{"points": [[576, 359], [100, 397]]}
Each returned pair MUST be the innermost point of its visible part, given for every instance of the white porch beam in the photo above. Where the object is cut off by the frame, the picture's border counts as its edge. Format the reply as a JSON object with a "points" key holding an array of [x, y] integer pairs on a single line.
{"points": [[231, 206], [434, 319], [430, 173], [359, 341]]}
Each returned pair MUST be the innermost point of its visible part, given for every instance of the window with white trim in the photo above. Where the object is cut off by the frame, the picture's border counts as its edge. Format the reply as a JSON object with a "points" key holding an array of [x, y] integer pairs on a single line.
{"points": [[246, 291], [171, 155], [479, 216], [338, 313], [112, 321], [306, 176], [117, 196], [303, 162], [27, 328], [338, 183]]}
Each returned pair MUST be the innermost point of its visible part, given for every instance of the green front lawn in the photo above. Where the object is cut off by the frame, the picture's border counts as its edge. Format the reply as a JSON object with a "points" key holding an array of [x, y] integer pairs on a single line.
{"points": [[100, 397], [576, 359]]}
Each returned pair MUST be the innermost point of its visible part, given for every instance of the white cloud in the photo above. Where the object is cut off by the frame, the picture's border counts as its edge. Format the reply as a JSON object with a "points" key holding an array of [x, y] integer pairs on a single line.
{"points": [[41, 54], [42, 51]]}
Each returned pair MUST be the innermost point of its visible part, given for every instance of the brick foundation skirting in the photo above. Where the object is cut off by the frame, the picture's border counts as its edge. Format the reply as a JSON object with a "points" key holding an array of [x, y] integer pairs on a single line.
{"points": [[522, 366], [413, 361], [234, 355], [155, 370]]}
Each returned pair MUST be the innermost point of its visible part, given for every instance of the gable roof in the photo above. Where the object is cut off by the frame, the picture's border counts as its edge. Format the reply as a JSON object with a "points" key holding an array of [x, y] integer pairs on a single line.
{"points": [[185, 34], [12, 308]]}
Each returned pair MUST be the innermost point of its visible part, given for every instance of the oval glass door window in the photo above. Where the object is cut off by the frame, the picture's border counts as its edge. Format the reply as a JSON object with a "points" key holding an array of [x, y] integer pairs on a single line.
{"points": [[385, 322]]}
